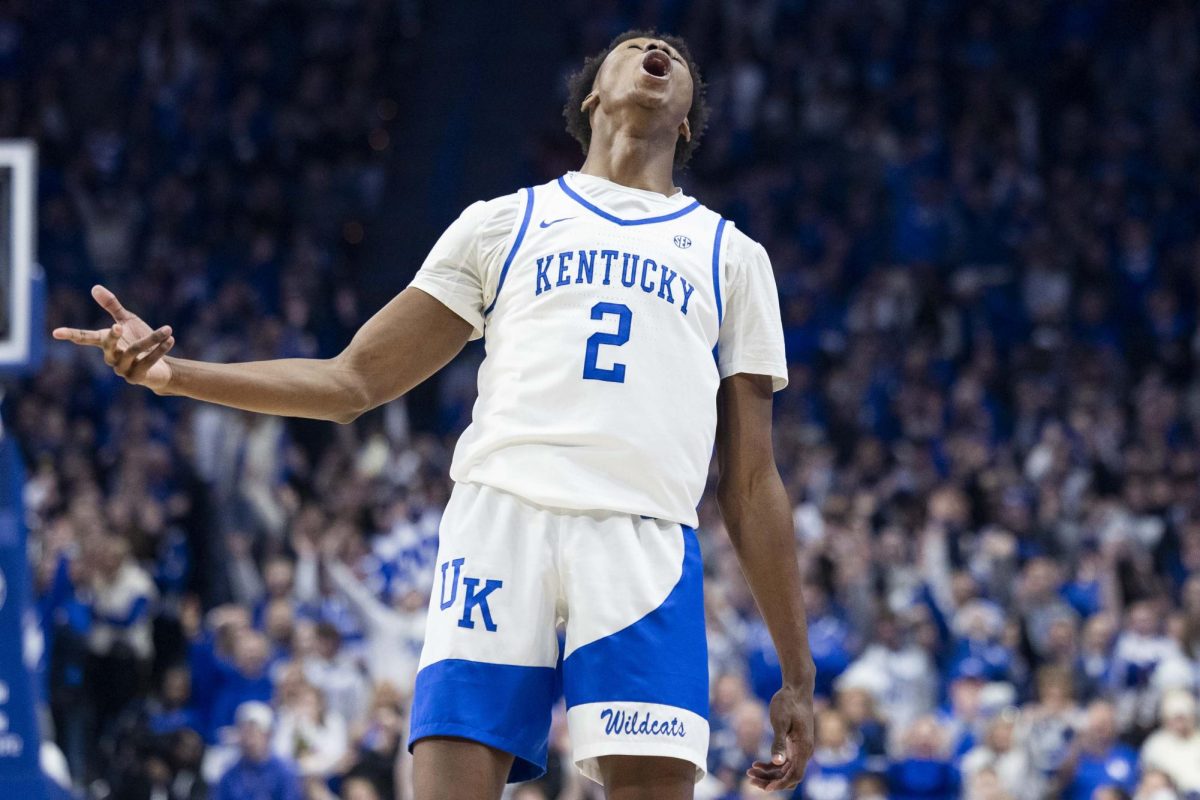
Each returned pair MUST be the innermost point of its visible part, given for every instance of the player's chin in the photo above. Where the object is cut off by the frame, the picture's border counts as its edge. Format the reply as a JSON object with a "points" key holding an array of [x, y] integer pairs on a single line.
{"points": [[655, 100], [646, 84]]}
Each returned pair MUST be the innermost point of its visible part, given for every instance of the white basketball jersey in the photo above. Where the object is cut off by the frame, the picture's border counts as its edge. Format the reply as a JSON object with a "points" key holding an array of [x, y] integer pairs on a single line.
{"points": [[598, 389]]}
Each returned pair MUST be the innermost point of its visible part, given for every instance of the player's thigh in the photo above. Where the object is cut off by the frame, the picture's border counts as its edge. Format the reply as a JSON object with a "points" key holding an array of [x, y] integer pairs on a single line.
{"points": [[488, 666], [647, 778], [635, 665], [458, 769]]}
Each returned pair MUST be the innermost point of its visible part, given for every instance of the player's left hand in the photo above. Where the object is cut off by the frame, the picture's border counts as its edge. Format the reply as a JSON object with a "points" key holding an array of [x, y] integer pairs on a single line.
{"points": [[792, 721]]}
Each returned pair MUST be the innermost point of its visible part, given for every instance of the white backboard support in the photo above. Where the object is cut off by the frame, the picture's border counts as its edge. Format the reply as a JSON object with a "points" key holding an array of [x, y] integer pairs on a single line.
{"points": [[21, 282]]}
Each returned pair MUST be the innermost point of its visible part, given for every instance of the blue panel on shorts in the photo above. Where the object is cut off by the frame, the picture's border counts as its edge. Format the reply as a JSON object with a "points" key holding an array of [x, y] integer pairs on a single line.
{"points": [[501, 705], [661, 658]]}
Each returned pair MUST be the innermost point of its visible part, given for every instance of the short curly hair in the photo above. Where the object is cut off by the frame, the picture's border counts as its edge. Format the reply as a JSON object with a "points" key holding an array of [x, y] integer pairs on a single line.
{"points": [[579, 85]]}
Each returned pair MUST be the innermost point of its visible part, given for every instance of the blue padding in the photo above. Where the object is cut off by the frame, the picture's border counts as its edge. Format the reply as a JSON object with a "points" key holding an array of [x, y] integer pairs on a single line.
{"points": [[661, 658], [503, 706]]}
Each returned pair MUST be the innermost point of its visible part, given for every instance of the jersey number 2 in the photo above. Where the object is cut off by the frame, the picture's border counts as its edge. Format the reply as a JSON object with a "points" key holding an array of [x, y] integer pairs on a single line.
{"points": [[615, 373]]}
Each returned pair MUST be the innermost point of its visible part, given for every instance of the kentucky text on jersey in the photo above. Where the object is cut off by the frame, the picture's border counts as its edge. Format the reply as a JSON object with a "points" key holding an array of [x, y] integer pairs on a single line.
{"points": [[612, 267]]}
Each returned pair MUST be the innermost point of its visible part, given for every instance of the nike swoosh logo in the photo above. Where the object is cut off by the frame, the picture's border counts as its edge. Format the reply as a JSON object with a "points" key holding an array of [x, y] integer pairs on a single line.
{"points": [[546, 224]]}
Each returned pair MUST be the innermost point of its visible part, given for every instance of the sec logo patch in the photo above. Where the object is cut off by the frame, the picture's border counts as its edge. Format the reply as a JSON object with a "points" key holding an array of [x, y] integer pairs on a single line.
{"points": [[683, 242]]}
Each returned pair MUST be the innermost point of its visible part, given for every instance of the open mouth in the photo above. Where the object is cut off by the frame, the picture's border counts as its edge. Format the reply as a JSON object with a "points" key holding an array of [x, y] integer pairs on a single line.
{"points": [[657, 63]]}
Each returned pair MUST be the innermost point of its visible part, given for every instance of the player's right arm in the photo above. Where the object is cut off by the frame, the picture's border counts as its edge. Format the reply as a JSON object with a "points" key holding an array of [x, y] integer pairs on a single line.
{"points": [[408, 340]]}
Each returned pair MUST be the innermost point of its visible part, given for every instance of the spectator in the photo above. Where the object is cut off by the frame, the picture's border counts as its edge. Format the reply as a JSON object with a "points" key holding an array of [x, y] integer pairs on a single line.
{"points": [[1155, 785], [247, 680], [734, 754], [336, 674], [837, 760], [924, 769], [171, 710], [858, 708], [1041, 604], [393, 633], [120, 644], [1095, 666], [1097, 759], [899, 673], [308, 735], [1174, 749], [1142, 653], [379, 740], [869, 786], [1050, 725], [257, 774], [1006, 759], [186, 752]]}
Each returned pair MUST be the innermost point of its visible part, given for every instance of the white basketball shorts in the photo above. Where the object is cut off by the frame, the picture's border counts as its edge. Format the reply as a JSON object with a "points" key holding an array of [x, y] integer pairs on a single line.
{"points": [[634, 666]]}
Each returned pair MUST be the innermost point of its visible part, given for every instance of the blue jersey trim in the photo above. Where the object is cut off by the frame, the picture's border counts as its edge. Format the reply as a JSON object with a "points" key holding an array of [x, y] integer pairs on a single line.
{"points": [[716, 265], [505, 706], [662, 658], [513, 252], [571, 193]]}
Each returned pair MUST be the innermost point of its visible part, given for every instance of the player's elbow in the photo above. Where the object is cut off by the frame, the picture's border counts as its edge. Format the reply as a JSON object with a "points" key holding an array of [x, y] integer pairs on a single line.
{"points": [[345, 417], [356, 403], [746, 491], [353, 394]]}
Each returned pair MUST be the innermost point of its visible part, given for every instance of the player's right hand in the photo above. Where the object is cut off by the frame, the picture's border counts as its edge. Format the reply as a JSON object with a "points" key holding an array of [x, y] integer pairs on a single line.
{"points": [[131, 347]]}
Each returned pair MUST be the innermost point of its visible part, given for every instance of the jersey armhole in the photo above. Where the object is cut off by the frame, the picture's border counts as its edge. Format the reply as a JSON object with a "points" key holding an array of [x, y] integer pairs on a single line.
{"points": [[515, 237]]}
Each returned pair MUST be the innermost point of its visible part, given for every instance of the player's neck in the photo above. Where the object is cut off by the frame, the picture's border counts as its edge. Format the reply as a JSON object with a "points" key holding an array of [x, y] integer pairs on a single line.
{"points": [[633, 161]]}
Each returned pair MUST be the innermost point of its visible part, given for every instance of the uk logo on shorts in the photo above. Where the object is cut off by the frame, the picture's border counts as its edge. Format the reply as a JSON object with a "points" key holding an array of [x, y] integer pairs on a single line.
{"points": [[473, 597]]}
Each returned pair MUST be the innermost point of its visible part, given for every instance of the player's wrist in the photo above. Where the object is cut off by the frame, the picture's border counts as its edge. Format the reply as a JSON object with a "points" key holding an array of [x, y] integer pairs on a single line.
{"points": [[163, 387], [801, 676]]}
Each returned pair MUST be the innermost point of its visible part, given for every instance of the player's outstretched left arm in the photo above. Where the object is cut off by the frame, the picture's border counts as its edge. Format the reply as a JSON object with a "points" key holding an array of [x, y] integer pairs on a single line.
{"points": [[759, 519]]}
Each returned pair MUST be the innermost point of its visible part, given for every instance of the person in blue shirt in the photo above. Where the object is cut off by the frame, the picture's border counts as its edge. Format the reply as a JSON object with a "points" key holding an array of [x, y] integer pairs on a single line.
{"points": [[829, 637], [258, 775], [857, 707], [837, 760], [171, 710], [1098, 759], [979, 626], [924, 772], [249, 679]]}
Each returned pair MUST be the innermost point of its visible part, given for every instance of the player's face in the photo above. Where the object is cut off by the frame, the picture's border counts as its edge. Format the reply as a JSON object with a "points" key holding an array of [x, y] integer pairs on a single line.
{"points": [[650, 74]]}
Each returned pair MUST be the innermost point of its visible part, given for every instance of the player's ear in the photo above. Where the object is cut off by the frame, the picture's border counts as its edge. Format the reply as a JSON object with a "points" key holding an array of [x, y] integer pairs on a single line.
{"points": [[685, 130], [589, 102]]}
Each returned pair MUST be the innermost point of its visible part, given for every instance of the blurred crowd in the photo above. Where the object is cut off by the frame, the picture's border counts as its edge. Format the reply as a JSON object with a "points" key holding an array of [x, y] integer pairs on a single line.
{"points": [[985, 224]]}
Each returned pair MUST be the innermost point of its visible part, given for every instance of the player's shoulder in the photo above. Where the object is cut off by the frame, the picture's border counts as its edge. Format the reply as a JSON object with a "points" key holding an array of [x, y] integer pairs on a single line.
{"points": [[504, 210], [482, 211], [513, 201], [742, 248]]}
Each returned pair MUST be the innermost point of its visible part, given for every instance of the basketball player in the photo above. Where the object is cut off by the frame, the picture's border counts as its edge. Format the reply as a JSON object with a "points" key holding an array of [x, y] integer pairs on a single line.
{"points": [[627, 329]]}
